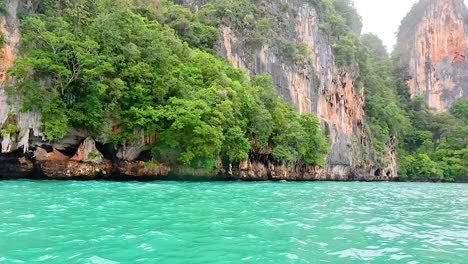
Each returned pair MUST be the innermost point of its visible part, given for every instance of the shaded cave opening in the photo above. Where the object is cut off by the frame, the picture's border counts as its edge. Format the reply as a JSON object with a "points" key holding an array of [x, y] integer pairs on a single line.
{"points": [[378, 173]]}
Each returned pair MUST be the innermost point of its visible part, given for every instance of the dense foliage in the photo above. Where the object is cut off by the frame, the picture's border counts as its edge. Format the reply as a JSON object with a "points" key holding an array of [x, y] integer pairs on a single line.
{"points": [[340, 19], [118, 68], [387, 119], [259, 25], [439, 141]]}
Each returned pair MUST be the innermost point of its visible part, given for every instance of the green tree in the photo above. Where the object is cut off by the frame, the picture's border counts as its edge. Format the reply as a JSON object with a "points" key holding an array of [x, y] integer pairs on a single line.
{"points": [[419, 166], [460, 110]]}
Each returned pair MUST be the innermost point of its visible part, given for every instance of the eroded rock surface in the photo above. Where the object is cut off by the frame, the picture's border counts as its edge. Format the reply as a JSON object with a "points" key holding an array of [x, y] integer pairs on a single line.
{"points": [[87, 163], [317, 86], [141, 169], [13, 167], [433, 53]]}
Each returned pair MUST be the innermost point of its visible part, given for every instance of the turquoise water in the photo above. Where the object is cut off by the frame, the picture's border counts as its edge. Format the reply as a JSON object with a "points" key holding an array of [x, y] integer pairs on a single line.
{"points": [[176, 222]]}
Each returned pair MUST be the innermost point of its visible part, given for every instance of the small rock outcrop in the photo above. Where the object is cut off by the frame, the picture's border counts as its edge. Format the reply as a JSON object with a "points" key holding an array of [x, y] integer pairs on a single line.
{"points": [[14, 167], [141, 170], [87, 163]]}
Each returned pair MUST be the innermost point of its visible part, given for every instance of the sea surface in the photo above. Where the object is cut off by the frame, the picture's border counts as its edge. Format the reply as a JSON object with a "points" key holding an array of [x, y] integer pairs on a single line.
{"points": [[232, 222]]}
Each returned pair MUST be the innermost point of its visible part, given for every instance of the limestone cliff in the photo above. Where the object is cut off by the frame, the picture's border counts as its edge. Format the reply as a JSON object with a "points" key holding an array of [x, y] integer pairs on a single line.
{"points": [[27, 123], [432, 52], [315, 85]]}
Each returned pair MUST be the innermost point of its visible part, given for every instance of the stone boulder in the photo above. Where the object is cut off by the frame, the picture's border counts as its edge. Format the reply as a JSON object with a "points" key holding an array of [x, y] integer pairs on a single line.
{"points": [[87, 163]]}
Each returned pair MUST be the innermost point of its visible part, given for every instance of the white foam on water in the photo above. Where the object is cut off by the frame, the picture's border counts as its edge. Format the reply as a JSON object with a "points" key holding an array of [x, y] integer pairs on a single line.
{"points": [[99, 260]]}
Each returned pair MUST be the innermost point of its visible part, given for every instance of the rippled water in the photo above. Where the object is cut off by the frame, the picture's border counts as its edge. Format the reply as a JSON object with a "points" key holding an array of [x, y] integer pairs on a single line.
{"points": [[171, 222]]}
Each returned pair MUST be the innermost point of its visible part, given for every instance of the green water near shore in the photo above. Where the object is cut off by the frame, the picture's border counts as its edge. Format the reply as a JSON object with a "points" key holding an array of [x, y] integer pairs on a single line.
{"points": [[177, 222]]}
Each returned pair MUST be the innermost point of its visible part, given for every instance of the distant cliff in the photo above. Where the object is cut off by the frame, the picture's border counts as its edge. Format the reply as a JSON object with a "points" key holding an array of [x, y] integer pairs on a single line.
{"points": [[432, 52]]}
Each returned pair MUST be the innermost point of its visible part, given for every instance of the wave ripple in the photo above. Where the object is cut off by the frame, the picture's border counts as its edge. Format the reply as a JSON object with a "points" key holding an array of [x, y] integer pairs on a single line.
{"points": [[176, 222]]}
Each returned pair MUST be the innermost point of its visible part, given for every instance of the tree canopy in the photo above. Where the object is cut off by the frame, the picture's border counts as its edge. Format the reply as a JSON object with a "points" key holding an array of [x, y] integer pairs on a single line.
{"points": [[148, 66]]}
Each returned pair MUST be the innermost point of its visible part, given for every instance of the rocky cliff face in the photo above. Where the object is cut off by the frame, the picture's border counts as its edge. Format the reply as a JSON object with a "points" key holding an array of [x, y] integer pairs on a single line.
{"points": [[432, 50], [314, 84], [27, 123]]}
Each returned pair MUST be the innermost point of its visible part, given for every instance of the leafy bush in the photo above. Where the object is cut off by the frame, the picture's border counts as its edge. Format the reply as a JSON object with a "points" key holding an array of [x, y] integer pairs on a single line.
{"points": [[460, 110], [10, 129]]}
